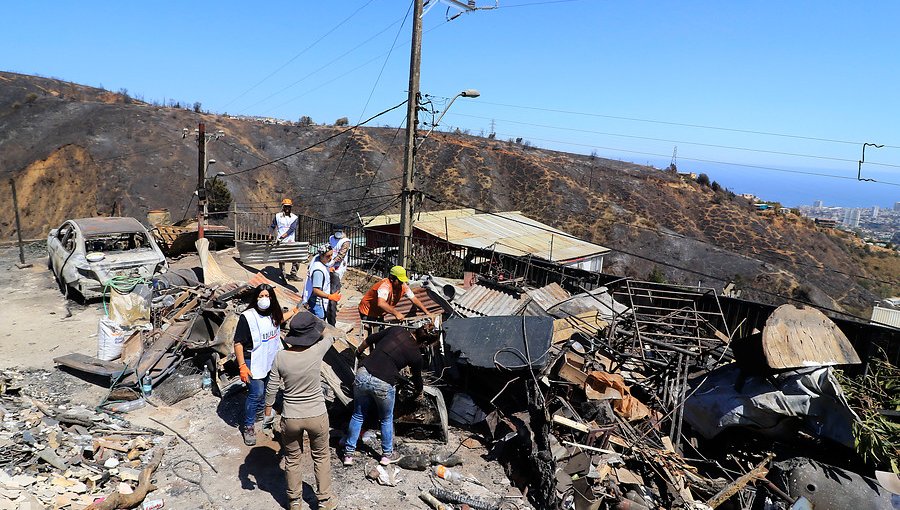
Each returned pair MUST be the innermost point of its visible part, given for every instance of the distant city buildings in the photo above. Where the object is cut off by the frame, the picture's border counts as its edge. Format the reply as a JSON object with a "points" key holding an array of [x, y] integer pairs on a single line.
{"points": [[897, 206], [875, 210], [818, 203], [851, 218]]}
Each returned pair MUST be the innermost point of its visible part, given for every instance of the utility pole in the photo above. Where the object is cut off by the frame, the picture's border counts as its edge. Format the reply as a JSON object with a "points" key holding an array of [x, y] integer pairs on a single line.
{"points": [[201, 178], [12, 184], [412, 120]]}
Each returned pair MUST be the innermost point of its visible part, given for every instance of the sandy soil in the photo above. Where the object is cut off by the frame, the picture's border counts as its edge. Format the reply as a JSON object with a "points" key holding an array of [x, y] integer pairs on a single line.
{"points": [[40, 325]]}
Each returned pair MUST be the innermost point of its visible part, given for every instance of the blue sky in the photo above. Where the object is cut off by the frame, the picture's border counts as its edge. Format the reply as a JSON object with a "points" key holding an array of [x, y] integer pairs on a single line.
{"points": [[722, 81]]}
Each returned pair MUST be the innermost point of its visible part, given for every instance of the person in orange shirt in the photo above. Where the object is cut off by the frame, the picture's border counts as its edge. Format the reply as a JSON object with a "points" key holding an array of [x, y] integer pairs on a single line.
{"points": [[384, 296]]}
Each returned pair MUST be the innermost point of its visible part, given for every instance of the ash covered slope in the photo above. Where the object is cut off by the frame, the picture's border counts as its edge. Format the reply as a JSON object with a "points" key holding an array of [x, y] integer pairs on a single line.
{"points": [[81, 151]]}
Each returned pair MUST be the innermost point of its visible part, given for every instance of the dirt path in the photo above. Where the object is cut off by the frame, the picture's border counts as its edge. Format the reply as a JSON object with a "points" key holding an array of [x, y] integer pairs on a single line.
{"points": [[38, 323]]}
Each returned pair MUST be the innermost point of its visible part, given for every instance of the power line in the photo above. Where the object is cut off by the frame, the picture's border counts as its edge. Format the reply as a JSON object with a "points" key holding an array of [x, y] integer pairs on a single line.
{"points": [[545, 2], [383, 158], [326, 65], [682, 124], [320, 142], [338, 77], [701, 144], [371, 93], [295, 57], [699, 160]]}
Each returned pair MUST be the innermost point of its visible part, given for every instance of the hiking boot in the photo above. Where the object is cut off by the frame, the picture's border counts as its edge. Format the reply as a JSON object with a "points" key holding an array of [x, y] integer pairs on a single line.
{"points": [[328, 504], [389, 458], [249, 434], [347, 460], [292, 277], [297, 504]]}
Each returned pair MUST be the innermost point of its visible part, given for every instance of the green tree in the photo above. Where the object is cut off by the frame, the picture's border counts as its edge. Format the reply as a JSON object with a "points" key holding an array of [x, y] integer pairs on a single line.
{"points": [[218, 195], [703, 179], [305, 121], [343, 121], [656, 275]]}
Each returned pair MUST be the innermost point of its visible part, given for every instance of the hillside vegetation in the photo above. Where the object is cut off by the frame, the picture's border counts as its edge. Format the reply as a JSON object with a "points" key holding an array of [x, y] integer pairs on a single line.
{"points": [[81, 151]]}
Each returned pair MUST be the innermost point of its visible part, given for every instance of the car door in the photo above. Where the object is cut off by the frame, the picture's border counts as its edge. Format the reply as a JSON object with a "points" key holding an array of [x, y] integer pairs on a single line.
{"points": [[55, 246]]}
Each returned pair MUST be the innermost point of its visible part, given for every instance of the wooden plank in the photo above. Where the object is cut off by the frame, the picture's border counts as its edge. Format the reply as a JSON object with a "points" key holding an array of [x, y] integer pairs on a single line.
{"points": [[572, 424], [571, 369], [805, 337], [91, 365]]}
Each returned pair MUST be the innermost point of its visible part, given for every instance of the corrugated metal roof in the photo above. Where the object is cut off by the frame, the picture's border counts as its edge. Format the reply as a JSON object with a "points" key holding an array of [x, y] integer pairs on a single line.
{"points": [[549, 295], [349, 312], [263, 252], [286, 297], [886, 316], [510, 233], [480, 301]]}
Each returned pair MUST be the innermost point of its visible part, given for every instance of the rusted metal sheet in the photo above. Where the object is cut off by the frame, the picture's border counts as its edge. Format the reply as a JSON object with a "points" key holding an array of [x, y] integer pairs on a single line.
{"points": [[286, 297], [481, 301], [548, 296], [264, 252], [349, 311], [91, 365], [805, 337]]}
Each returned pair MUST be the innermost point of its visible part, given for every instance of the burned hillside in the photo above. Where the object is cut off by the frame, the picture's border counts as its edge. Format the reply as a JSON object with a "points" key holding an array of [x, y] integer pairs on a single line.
{"points": [[81, 151]]}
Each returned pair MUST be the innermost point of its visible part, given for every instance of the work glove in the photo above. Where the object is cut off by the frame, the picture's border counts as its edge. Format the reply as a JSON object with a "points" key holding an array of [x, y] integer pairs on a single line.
{"points": [[268, 421], [335, 297], [245, 373], [331, 269]]}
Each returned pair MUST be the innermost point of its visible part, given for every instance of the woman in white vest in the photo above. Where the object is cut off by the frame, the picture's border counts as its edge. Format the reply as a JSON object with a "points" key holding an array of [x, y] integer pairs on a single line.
{"points": [[256, 342], [317, 292]]}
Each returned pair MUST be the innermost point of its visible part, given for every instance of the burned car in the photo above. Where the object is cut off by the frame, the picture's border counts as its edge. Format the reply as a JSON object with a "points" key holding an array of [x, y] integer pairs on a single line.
{"points": [[86, 253]]}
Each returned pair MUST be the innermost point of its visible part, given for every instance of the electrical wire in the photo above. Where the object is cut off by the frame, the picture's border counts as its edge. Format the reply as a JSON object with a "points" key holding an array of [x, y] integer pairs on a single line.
{"points": [[325, 66], [295, 57], [320, 142], [699, 144], [371, 93], [682, 124], [699, 160]]}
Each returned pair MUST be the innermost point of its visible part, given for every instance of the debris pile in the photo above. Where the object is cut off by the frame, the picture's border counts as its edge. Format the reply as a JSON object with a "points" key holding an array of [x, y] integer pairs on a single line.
{"points": [[645, 396], [59, 455]]}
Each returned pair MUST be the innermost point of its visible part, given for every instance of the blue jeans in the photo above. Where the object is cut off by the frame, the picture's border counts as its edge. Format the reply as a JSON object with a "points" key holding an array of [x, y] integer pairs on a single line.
{"points": [[369, 390], [256, 400]]}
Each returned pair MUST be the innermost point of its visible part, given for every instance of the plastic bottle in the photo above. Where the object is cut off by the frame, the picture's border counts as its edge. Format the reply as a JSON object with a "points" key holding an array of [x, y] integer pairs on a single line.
{"points": [[448, 474], [147, 385], [448, 460], [125, 407], [207, 378]]}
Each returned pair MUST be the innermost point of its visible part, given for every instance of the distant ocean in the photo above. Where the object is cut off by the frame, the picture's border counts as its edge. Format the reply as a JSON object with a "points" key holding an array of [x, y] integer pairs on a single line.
{"points": [[795, 189]]}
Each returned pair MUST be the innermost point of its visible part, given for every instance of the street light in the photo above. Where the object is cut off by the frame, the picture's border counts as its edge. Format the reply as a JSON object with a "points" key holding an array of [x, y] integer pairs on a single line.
{"points": [[471, 93]]}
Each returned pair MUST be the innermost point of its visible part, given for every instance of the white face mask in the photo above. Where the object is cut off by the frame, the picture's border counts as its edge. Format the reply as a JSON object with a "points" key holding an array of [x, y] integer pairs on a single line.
{"points": [[338, 235], [263, 303]]}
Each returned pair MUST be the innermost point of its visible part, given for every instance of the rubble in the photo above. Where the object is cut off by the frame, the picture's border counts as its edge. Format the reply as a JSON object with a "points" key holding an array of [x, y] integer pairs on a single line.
{"points": [[626, 402], [631, 395], [59, 455]]}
